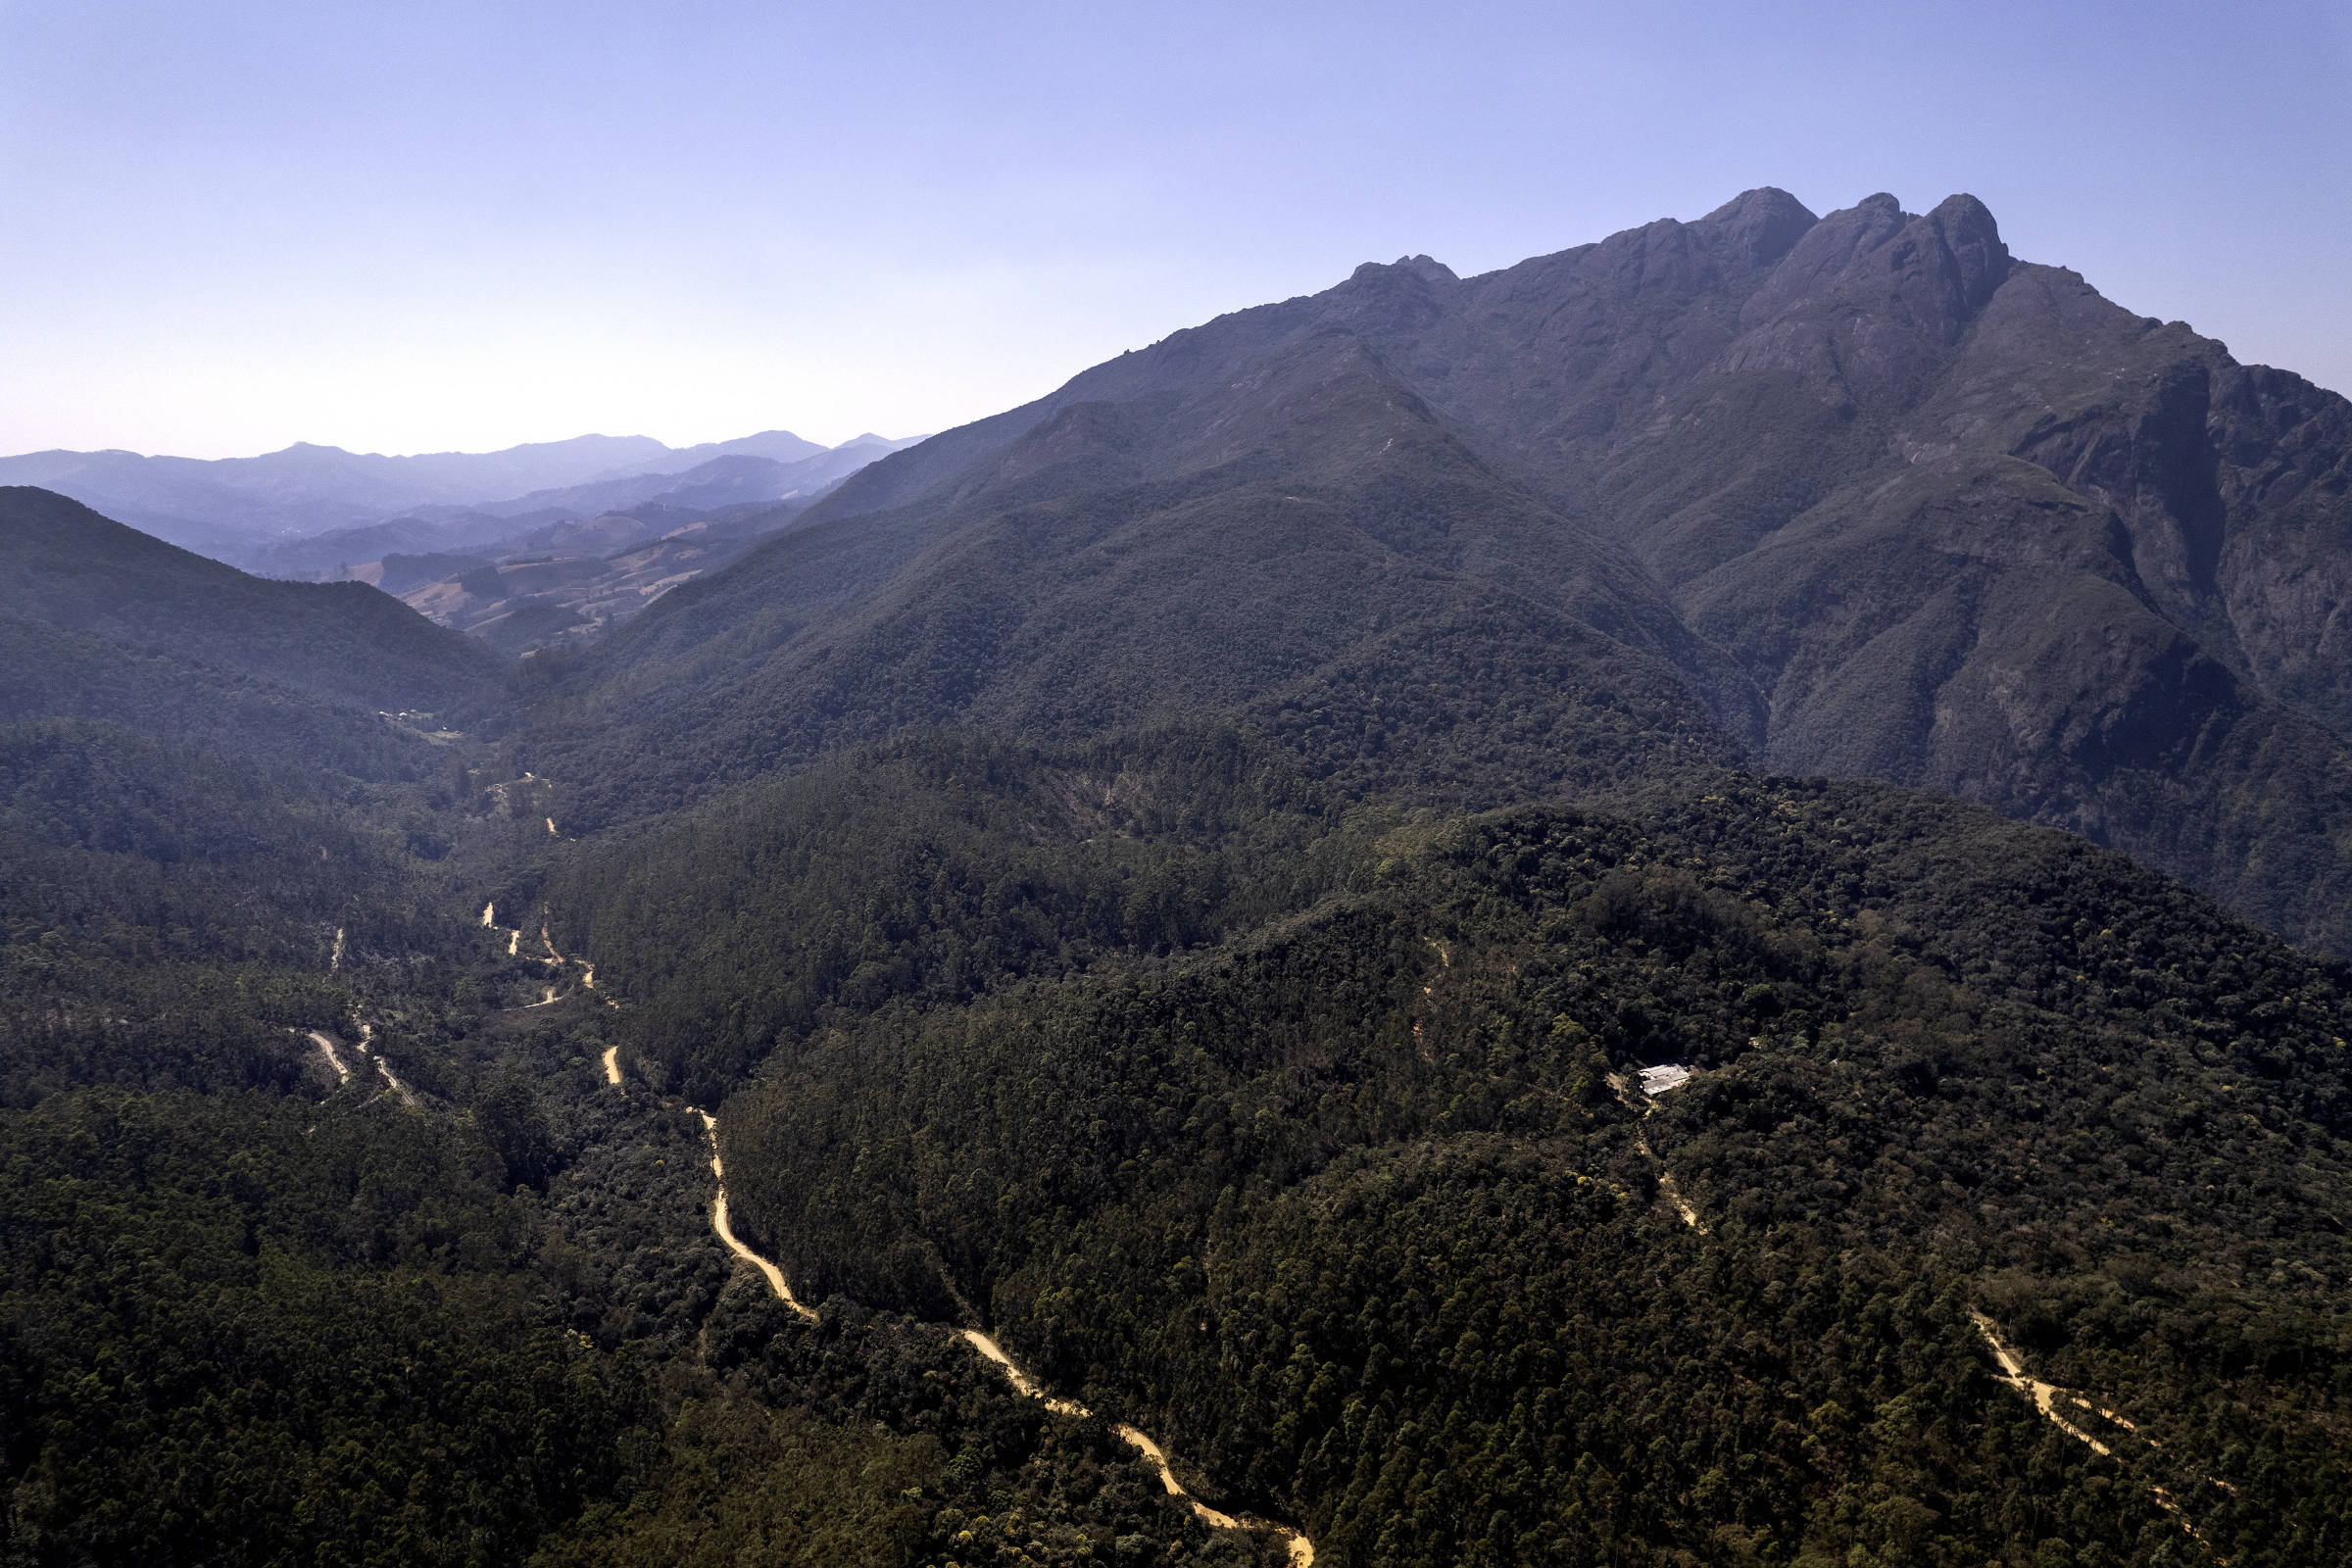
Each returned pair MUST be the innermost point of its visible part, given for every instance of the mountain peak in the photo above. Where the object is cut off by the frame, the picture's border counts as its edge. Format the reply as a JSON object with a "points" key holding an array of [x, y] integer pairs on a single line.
{"points": [[1424, 269], [1979, 263], [1763, 225], [1397, 296]]}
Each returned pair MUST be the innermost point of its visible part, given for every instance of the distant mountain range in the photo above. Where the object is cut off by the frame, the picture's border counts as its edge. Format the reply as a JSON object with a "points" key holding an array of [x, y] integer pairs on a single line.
{"points": [[248, 511], [730, 480]]}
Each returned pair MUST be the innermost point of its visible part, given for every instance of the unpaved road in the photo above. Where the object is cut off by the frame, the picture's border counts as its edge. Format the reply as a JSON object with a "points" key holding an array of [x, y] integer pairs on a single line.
{"points": [[1667, 1189], [1302, 1551], [1672, 1193], [726, 1232], [326, 1044], [2046, 1397], [2043, 1395], [408, 1096]]}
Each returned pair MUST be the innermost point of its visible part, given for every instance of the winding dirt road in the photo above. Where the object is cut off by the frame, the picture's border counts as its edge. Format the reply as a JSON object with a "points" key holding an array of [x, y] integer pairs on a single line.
{"points": [[1302, 1551], [549, 996], [327, 1046], [2046, 1397], [408, 1096], [726, 1232]]}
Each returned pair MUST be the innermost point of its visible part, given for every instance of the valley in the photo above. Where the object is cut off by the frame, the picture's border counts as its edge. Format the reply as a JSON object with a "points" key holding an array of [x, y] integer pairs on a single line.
{"points": [[1555, 917]]}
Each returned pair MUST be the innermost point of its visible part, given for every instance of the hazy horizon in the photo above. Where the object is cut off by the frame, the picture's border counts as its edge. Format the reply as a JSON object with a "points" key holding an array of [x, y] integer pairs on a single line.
{"points": [[436, 228], [377, 452]]}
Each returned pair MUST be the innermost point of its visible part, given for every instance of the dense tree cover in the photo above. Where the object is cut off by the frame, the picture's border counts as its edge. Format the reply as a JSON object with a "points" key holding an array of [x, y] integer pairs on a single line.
{"points": [[932, 870], [1493, 699], [300, 1323], [745, 1481], [1244, 1093], [67, 567], [1324, 1185], [169, 911], [996, 1478], [248, 1329], [251, 1314], [302, 736]]}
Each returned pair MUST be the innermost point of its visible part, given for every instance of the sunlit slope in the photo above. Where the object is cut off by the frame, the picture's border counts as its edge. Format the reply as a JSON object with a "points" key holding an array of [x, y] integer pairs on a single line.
{"points": [[1304, 548], [1861, 495]]}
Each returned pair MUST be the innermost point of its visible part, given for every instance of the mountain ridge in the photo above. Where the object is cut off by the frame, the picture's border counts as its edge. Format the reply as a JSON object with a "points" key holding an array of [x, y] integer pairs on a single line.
{"points": [[68, 567], [1258, 883], [230, 508], [1850, 476]]}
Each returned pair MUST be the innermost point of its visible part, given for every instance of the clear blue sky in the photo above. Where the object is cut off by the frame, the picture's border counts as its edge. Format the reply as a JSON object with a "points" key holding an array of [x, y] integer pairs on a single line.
{"points": [[421, 225]]}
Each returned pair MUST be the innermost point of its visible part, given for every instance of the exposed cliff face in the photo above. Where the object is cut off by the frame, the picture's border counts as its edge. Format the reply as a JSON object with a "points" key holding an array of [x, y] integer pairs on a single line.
{"points": [[1878, 498]]}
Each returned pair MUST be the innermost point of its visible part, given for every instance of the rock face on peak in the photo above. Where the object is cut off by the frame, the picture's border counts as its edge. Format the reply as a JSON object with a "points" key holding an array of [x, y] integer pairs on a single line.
{"points": [[1764, 224], [1429, 268], [1860, 494]]}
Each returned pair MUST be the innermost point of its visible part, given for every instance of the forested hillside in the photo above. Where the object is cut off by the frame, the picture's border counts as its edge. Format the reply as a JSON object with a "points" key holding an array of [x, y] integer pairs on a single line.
{"points": [[327, 1237], [252, 1310], [65, 567], [1862, 495], [1362, 1213], [1292, 884]]}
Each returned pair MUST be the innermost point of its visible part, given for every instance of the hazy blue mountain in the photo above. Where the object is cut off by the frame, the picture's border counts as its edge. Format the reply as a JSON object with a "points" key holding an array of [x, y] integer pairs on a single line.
{"points": [[727, 480], [224, 503], [777, 446], [452, 476], [242, 509]]}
